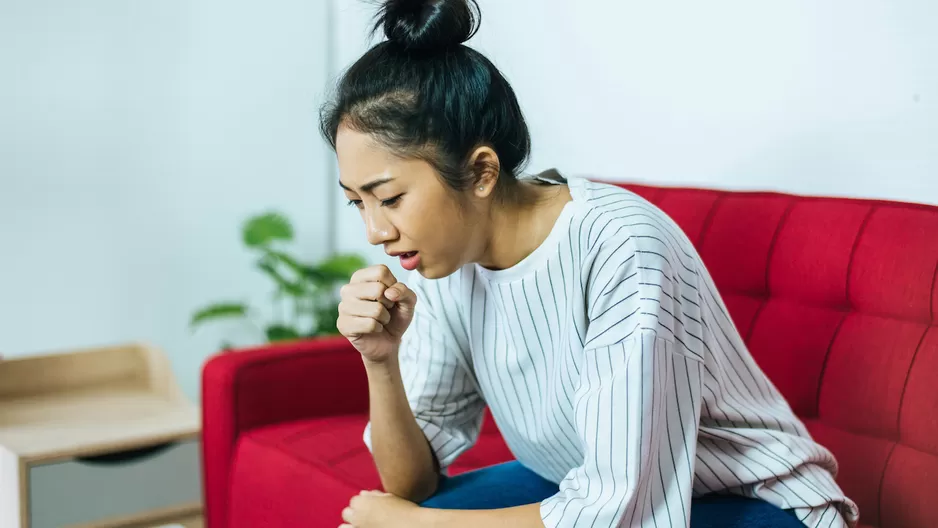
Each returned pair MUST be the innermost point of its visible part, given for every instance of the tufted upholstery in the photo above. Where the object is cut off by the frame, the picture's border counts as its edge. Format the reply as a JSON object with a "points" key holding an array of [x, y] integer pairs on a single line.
{"points": [[837, 300]]}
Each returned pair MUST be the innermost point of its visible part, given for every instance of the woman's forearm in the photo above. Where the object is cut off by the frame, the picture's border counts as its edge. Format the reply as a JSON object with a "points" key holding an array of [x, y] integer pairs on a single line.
{"points": [[527, 516], [401, 451]]}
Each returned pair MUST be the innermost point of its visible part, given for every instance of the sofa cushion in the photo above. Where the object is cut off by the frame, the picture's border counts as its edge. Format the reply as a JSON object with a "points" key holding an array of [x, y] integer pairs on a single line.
{"points": [[278, 468], [272, 485]]}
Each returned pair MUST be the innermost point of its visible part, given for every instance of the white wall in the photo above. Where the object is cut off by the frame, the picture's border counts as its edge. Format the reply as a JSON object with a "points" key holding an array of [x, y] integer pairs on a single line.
{"points": [[833, 98], [135, 137]]}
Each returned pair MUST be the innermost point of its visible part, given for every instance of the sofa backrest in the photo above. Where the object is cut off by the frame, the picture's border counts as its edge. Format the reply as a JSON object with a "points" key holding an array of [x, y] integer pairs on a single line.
{"points": [[838, 302]]}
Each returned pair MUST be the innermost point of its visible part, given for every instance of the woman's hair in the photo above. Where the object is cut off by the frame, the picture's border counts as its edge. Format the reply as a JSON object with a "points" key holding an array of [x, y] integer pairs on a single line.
{"points": [[425, 95]]}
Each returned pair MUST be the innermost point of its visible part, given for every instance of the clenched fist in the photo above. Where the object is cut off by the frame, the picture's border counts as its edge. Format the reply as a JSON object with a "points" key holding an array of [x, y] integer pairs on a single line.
{"points": [[375, 311]]}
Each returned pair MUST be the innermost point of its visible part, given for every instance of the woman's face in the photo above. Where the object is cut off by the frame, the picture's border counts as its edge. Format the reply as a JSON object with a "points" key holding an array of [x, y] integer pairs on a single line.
{"points": [[405, 205]]}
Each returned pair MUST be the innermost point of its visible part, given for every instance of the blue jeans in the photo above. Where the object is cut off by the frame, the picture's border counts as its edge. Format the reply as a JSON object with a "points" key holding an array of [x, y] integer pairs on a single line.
{"points": [[511, 484]]}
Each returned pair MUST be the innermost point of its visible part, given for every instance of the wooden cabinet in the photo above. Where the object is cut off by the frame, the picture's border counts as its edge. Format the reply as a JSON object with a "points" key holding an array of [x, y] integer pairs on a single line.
{"points": [[96, 438]]}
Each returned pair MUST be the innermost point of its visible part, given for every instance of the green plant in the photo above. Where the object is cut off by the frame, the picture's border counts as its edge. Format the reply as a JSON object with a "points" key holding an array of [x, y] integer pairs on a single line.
{"points": [[305, 297]]}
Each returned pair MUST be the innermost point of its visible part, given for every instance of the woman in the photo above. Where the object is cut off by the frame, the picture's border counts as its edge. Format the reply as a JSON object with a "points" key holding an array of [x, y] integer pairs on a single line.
{"points": [[578, 313]]}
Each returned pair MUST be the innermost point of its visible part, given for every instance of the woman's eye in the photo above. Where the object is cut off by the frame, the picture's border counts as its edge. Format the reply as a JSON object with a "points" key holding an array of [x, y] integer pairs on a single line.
{"points": [[391, 201], [355, 203]]}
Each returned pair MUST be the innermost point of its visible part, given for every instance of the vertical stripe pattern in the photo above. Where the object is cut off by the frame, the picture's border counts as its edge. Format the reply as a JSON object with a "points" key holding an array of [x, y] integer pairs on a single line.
{"points": [[612, 368]]}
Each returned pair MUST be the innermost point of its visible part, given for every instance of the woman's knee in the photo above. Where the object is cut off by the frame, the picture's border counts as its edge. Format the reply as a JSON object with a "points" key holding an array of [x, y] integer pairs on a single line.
{"points": [[499, 486], [732, 511]]}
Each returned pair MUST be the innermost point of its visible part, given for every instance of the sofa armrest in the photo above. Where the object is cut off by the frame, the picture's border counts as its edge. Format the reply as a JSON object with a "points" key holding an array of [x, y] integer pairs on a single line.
{"points": [[276, 383], [266, 385]]}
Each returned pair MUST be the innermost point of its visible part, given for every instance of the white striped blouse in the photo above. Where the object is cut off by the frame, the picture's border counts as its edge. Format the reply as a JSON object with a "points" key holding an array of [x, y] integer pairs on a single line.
{"points": [[611, 366]]}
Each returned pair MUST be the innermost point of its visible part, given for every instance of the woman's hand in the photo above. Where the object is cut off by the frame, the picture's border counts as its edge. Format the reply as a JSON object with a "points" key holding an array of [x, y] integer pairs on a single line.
{"points": [[377, 509], [375, 311]]}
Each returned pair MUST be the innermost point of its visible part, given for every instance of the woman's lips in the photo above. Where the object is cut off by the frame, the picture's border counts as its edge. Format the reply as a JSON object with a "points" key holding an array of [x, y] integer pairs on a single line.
{"points": [[409, 260]]}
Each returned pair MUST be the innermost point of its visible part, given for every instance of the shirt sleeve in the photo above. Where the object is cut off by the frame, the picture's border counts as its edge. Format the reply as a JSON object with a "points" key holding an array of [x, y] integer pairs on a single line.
{"points": [[441, 392], [636, 407]]}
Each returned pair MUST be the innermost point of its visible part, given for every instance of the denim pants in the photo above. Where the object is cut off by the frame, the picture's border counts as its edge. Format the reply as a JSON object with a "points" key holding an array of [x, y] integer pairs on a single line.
{"points": [[511, 484]]}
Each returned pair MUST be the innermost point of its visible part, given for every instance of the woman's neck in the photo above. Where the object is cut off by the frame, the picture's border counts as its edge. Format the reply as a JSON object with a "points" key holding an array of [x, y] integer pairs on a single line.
{"points": [[516, 230]]}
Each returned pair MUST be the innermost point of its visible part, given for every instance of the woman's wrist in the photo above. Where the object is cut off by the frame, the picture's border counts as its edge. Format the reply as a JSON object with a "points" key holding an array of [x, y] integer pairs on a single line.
{"points": [[384, 370]]}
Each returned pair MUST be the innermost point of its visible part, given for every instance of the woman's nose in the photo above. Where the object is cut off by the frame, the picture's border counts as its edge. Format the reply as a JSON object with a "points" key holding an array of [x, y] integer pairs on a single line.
{"points": [[379, 230]]}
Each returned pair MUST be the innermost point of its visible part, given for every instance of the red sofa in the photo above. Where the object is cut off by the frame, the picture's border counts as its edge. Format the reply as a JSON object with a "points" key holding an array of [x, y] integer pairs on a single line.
{"points": [[837, 299]]}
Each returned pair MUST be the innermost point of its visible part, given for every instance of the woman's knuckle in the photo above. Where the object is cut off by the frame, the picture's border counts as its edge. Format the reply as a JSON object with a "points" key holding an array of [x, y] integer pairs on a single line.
{"points": [[385, 272], [377, 291]]}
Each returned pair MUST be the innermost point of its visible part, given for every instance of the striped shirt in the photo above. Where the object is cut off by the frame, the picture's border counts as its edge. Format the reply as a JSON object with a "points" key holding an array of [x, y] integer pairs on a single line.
{"points": [[611, 366]]}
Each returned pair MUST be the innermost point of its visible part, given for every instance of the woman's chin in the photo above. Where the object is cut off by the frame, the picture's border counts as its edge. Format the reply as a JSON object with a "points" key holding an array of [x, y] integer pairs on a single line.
{"points": [[428, 271]]}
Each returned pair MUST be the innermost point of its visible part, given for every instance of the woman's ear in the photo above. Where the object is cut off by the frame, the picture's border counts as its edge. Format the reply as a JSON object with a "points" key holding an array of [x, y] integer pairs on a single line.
{"points": [[485, 169]]}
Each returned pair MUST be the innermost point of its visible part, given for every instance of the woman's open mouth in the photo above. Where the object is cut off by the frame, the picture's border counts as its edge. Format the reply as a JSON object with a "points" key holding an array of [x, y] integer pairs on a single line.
{"points": [[409, 260]]}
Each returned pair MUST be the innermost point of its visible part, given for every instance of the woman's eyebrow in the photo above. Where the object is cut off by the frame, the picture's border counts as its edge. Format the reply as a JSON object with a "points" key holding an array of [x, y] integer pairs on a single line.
{"points": [[368, 187]]}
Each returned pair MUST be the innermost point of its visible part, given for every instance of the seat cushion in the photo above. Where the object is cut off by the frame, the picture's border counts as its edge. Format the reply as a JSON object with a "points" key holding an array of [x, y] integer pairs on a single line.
{"points": [[303, 473]]}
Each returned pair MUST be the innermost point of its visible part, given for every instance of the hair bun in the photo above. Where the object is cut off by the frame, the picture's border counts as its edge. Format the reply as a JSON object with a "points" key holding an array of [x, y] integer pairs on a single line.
{"points": [[428, 24]]}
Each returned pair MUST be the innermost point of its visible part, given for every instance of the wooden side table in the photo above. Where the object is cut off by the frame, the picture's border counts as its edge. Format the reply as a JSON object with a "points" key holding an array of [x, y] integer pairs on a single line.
{"points": [[100, 438]]}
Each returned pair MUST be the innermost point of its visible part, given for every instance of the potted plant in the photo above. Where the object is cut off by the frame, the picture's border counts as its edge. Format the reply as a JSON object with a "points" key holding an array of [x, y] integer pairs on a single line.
{"points": [[305, 295]]}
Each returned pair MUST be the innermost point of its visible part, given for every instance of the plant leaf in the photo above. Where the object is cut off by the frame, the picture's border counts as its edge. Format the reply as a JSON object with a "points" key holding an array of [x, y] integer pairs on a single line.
{"points": [[326, 320], [285, 285], [308, 277], [265, 228], [340, 267], [218, 311], [287, 260], [313, 274], [281, 333]]}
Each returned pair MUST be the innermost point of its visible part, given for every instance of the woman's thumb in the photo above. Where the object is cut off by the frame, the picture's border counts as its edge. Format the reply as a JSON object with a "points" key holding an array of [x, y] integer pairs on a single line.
{"points": [[404, 297]]}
